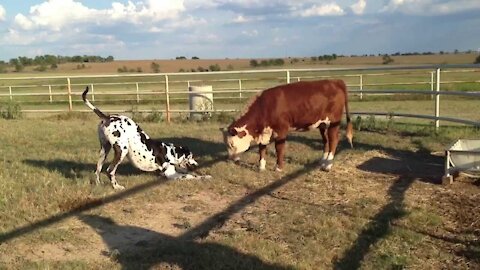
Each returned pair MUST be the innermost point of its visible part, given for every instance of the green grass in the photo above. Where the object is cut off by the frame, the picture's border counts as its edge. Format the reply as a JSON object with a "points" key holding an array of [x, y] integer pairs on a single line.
{"points": [[380, 207]]}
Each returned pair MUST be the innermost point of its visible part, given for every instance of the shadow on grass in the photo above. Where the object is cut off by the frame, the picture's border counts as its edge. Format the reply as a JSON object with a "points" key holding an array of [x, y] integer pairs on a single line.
{"points": [[409, 166], [139, 248], [71, 169], [176, 250], [205, 152]]}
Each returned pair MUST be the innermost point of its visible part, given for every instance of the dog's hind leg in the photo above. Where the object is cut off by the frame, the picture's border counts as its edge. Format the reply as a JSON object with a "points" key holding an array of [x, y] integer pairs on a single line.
{"points": [[120, 154], [104, 150]]}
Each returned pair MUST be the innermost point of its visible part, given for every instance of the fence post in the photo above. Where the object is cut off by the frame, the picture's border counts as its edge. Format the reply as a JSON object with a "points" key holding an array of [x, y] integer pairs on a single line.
{"points": [[50, 93], [437, 101], [288, 76], [361, 86], [93, 92], [10, 91], [167, 99], [69, 88], [432, 82], [240, 89], [138, 95]]}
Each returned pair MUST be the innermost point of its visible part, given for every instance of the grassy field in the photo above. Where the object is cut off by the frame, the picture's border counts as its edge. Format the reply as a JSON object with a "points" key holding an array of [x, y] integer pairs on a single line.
{"points": [[381, 207]]}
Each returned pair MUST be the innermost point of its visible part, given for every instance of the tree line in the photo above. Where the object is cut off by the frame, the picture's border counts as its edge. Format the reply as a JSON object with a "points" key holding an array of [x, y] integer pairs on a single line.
{"points": [[48, 60]]}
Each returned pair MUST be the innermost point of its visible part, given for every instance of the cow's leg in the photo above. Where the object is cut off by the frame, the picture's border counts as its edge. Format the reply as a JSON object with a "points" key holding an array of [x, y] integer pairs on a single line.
{"points": [[332, 133], [280, 149], [262, 150], [323, 131]]}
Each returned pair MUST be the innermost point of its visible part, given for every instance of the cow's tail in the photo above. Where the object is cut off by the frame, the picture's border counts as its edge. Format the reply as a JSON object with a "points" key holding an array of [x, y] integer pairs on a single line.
{"points": [[90, 105], [349, 131]]}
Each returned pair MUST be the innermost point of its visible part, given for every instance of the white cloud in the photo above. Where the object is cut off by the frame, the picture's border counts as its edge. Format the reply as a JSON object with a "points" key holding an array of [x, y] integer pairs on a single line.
{"points": [[359, 7], [3, 13], [240, 19], [331, 9], [431, 7], [59, 14], [252, 33]]}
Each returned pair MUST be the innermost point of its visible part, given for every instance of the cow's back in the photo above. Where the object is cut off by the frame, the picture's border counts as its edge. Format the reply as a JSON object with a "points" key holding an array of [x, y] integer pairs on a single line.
{"points": [[301, 104]]}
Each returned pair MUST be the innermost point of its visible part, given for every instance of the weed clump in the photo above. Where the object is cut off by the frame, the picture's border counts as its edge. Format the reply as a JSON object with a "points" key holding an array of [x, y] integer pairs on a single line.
{"points": [[11, 110]]}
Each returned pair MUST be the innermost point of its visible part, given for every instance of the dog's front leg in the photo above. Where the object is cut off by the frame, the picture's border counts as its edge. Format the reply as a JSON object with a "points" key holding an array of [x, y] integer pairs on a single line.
{"points": [[171, 173]]}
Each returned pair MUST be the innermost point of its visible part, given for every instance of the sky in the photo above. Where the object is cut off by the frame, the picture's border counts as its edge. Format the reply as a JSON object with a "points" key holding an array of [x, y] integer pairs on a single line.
{"points": [[218, 29]]}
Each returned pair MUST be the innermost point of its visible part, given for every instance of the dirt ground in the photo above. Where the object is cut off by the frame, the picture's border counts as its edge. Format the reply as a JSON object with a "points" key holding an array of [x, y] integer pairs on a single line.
{"points": [[129, 224]]}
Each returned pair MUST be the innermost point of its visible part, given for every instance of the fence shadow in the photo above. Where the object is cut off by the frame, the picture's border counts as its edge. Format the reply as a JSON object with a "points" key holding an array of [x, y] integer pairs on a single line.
{"points": [[220, 256], [409, 167], [139, 248]]}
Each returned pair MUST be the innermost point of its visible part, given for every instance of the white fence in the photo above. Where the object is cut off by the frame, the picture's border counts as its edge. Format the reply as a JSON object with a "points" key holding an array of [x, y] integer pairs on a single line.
{"points": [[238, 84]]}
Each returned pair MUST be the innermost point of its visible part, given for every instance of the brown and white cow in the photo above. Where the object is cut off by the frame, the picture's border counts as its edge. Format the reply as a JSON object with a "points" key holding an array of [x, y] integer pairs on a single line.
{"points": [[297, 106]]}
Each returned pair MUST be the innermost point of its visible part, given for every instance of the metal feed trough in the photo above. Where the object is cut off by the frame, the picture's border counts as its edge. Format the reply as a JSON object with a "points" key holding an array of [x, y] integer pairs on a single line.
{"points": [[462, 156]]}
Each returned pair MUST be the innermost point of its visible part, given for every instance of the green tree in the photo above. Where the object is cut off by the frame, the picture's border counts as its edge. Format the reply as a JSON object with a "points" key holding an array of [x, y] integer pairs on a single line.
{"points": [[387, 59], [155, 67], [477, 60]]}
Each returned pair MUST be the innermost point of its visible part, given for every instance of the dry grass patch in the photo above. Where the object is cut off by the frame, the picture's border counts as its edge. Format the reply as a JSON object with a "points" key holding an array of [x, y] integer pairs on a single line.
{"points": [[380, 207]]}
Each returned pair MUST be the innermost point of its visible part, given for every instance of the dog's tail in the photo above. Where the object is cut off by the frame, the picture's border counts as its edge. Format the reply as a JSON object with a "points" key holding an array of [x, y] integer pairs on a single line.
{"points": [[90, 105]]}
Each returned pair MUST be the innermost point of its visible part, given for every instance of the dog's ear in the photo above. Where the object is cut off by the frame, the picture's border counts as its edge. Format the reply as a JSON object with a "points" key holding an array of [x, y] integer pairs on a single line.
{"points": [[182, 150]]}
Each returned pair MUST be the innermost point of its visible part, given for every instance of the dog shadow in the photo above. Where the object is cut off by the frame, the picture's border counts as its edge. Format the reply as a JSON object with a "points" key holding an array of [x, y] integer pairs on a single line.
{"points": [[73, 170], [139, 248], [205, 152]]}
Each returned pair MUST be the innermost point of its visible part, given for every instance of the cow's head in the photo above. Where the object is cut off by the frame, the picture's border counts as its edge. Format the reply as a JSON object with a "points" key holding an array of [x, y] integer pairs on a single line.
{"points": [[237, 140]]}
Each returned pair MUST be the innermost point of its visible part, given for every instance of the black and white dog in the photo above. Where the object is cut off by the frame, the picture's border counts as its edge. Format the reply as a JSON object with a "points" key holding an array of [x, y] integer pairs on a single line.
{"points": [[128, 139]]}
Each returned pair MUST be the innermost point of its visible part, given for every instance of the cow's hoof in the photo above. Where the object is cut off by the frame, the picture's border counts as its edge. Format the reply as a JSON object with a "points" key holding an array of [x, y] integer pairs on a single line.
{"points": [[326, 168], [277, 169]]}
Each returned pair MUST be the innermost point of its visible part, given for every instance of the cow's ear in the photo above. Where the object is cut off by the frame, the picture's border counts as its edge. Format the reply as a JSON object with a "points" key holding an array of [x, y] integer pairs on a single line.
{"points": [[242, 134]]}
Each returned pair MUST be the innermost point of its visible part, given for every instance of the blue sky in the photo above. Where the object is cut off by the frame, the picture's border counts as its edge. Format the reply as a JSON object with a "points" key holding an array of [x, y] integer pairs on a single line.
{"points": [[159, 29]]}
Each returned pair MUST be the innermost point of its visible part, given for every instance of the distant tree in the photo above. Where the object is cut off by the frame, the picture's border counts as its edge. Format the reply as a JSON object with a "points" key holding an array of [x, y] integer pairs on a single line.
{"points": [[109, 58], [19, 67], [387, 59], [230, 67], [181, 70], [253, 63], [53, 66], [41, 68], [456, 51], [215, 67], [200, 69], [195, 58], [313, 58], [278, 62], [180, 58], [139, 70], [477, 60], [155, 67]]}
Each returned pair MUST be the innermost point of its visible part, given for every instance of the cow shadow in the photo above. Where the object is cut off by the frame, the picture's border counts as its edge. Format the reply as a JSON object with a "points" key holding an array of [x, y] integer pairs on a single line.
{"points": [[139, 248]]}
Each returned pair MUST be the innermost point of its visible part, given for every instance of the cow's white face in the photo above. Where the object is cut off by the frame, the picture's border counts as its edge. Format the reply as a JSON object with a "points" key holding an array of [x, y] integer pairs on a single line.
{"points": [[237, 141]]}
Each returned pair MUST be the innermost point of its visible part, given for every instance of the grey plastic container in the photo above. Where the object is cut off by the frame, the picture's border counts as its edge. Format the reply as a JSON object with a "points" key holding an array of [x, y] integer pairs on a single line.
{"points": [[462, 156]]}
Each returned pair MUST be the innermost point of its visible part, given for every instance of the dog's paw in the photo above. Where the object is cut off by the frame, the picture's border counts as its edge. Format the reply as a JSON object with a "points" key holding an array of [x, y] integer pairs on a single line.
{"points": [[118, 187]]}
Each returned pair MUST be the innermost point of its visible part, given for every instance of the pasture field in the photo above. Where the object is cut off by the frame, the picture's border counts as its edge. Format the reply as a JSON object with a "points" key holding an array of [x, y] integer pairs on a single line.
{"points": [[382, 206]]}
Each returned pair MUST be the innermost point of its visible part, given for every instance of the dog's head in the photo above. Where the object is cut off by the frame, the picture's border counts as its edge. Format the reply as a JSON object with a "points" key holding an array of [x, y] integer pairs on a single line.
{"points": [[185, 158]]}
